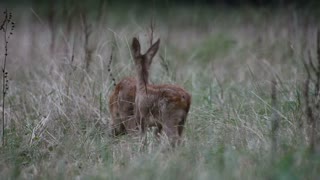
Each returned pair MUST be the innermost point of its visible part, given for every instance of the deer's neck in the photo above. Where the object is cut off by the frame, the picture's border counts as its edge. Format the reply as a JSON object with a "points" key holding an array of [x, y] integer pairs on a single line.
{"points": [[143, 81]]}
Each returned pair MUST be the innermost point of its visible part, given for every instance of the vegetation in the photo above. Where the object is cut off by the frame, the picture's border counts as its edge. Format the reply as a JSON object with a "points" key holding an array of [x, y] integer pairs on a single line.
{"points": [[249, 71]]}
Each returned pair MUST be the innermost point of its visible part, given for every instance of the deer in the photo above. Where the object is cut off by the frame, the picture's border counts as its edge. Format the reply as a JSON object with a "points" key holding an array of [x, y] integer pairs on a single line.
{"points": [[164, 106], [121, 105]]}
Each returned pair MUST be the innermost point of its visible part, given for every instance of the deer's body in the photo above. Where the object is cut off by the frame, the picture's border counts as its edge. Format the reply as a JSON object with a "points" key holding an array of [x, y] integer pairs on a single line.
{"points": [[136, 104], [165, 106]]}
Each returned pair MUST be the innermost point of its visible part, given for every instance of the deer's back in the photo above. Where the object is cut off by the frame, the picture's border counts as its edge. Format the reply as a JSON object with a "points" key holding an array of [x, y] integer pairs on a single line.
{"points": [[166, 97]]}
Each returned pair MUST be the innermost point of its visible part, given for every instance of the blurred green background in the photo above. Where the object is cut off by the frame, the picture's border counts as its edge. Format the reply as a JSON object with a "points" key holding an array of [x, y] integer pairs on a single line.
{"points": [[229, 55]]}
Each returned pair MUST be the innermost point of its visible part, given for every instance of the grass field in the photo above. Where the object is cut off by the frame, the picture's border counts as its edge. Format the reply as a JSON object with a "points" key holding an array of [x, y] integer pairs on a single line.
{"points": [[227, 58]]}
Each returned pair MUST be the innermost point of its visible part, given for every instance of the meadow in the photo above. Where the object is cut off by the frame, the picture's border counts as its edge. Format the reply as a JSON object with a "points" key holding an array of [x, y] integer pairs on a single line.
{"points": [[243, 67]]}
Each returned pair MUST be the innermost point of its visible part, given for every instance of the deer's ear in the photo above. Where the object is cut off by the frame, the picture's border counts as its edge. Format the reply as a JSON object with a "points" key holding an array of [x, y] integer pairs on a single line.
{"points": [[135, 48], [152, 50]]}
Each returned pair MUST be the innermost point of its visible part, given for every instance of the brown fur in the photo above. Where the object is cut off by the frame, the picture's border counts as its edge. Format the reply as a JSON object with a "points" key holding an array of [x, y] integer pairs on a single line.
{"points": [[121, 106], [164, 106]]}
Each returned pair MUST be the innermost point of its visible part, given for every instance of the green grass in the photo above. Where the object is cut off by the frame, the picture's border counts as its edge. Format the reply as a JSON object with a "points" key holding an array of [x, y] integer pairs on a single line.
{"points": [[225, 58]]}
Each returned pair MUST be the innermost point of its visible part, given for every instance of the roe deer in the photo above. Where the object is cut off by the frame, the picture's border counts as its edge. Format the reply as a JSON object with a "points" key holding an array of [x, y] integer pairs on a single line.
{"points": [[164, 106], [121, 106]]}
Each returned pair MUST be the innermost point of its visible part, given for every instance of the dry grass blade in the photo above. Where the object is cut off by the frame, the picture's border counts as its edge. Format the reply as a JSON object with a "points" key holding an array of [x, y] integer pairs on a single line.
{"points": [[39, 129], [109, 67], [275, 118]]}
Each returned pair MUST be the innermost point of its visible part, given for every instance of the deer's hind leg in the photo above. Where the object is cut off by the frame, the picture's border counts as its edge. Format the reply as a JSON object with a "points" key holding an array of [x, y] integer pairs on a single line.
{"points": [[157, 131], [173, 125], [170, 128], [128, 118], [181, 125]]}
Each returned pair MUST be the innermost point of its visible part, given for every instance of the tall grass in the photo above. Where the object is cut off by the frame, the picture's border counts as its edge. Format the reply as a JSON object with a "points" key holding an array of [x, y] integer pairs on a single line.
{"points": [[228, 59]]}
